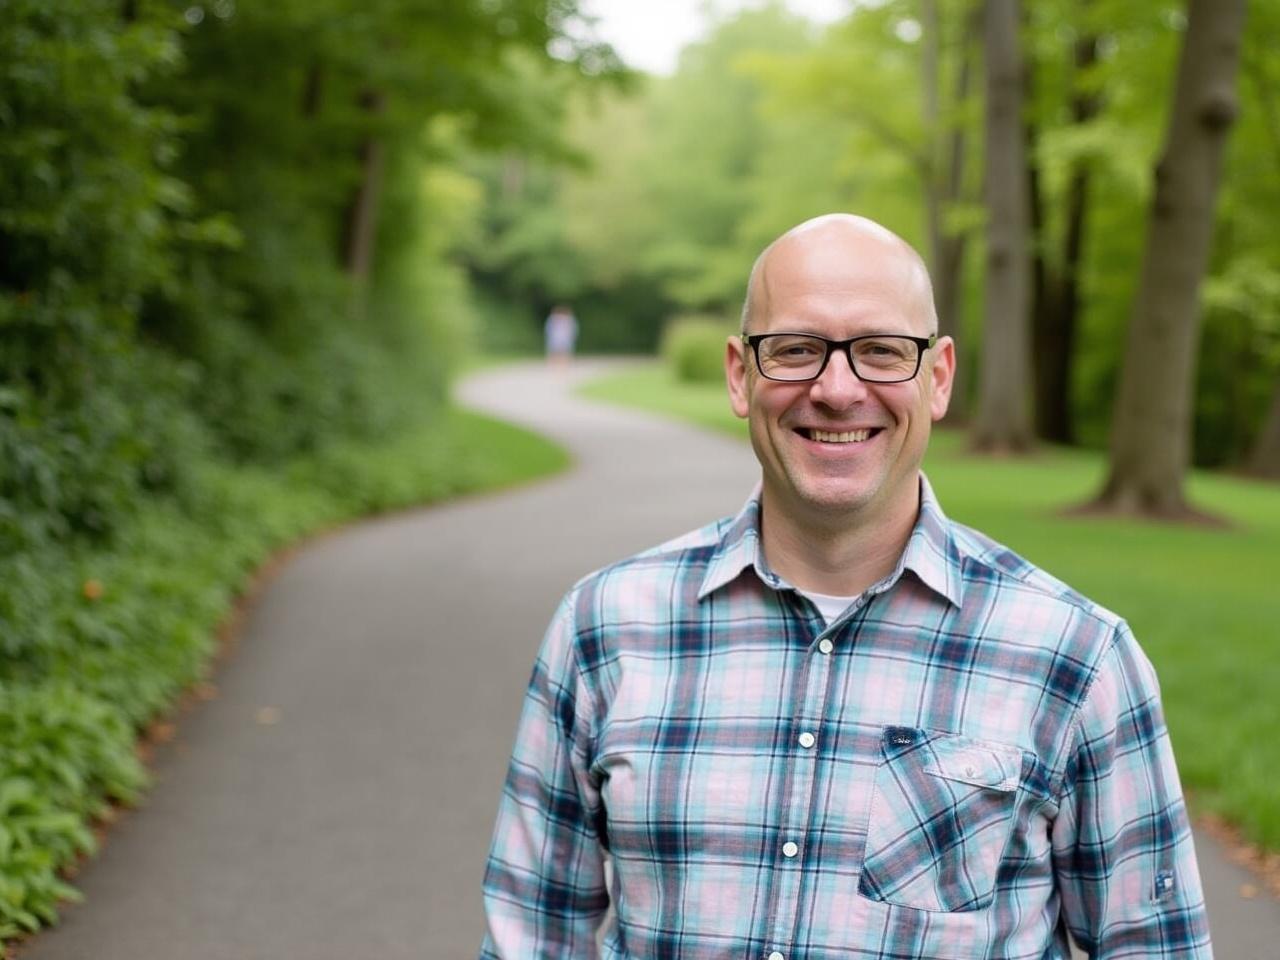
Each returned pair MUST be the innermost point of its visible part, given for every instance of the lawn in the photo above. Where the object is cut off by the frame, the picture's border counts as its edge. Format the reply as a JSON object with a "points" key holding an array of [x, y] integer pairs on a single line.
{"points": [[1204, 602]]}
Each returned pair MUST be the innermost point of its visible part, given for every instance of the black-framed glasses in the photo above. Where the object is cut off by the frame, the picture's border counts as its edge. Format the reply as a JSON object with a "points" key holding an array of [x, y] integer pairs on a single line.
{"points": [[874, 358]]}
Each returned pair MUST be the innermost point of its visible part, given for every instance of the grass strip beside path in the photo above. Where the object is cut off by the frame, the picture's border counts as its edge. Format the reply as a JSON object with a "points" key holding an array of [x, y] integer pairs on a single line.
{"points": [[1203, 602]]}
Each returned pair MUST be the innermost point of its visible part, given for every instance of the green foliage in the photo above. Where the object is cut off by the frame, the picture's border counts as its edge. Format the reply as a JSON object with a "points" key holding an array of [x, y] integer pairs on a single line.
{"points": [[84, 204], [176, 201], [693, 347], [66, 754], [87, 418], [88, 425], [201, 356], [504, 328], [34, 838], [686, 181]]}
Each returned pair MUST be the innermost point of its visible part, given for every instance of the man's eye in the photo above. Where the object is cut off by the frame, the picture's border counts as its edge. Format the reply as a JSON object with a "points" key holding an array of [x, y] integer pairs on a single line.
{"points": [[880, 350]]}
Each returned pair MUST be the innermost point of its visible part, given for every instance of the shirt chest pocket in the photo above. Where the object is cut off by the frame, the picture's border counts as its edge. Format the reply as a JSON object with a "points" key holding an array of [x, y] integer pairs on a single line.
{"points": [[941, 813]]}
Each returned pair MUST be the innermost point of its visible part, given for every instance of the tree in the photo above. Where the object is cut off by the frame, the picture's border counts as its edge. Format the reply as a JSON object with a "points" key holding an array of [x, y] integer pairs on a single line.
{"points": [[944, 179], [1003, 422], [1150, 438], [1265, 459], [1059, 260]]}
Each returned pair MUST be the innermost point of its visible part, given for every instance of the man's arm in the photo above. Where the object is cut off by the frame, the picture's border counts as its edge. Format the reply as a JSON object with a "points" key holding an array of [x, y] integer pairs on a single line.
{"points": [[1123, 855], [544, 889]]}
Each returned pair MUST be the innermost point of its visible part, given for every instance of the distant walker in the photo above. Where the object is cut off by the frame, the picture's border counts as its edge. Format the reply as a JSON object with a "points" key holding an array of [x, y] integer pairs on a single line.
{"points": [[561, 334]]}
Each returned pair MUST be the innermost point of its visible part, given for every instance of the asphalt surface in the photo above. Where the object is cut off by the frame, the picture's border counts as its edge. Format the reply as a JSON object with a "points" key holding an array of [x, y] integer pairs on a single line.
{"points": [[335, 800]]}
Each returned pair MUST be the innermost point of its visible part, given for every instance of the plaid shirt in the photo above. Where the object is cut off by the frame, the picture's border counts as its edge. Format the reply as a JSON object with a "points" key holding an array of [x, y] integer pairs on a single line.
{"points": [[965, 763]]}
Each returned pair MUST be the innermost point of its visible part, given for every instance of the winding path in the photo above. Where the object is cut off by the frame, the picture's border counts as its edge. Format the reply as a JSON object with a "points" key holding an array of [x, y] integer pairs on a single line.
{"points": [[335, 800]]}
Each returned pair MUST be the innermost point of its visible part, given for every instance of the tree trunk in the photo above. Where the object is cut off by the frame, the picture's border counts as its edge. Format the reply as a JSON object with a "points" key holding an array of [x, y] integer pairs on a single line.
{"points": [[362, 220], [1265, 459], [1151, 432], [1043, 274], [312, 89], [1003, 423], [362, 213], [946, 180], [1056, 300], [931, 43]]}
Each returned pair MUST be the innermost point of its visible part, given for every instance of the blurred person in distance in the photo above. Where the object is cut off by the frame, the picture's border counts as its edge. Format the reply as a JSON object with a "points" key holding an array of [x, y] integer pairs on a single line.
{"points": [[560, 333]]}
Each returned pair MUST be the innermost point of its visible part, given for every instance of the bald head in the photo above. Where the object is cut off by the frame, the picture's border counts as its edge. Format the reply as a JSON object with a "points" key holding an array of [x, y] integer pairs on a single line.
{"points": [[838, 244]]}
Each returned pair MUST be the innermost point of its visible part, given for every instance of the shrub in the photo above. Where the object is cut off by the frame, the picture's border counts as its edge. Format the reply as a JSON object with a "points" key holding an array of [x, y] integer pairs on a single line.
{"points": [[65, 755], [693, 347]]}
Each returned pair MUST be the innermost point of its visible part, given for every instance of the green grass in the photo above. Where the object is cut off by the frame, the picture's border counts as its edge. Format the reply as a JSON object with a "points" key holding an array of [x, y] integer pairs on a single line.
{"points": [[95, 641], [1203, 602], [651, 387]]}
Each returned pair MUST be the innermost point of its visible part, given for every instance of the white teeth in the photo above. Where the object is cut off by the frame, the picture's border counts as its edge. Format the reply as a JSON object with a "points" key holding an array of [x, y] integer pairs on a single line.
{"points": [[851, 436]]}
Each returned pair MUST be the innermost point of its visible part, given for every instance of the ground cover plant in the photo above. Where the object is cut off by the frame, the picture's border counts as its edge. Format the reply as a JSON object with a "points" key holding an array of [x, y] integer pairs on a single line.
{"points": [[1202, 600], [95, 641]]}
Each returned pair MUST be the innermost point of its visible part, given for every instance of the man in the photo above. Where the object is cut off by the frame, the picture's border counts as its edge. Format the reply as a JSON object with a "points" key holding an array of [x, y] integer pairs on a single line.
{"points": [[838, 724]]}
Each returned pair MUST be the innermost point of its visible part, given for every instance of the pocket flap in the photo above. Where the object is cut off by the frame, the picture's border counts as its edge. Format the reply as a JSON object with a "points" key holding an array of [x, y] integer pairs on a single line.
{"points": [[980, 765]]}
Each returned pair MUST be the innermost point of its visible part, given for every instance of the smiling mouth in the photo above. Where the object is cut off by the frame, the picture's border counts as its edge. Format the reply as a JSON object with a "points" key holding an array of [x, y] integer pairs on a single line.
{"points": [[844, 436]]}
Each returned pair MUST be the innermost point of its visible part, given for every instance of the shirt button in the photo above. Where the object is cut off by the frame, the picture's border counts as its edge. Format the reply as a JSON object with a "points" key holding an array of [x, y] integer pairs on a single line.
{"points": [[789, 849], [776, 956], [826, 646], [806, 739]]}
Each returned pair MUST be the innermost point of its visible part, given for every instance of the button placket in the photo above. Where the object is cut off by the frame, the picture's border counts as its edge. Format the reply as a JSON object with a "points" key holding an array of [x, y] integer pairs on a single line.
{"points": [[795, 819]]}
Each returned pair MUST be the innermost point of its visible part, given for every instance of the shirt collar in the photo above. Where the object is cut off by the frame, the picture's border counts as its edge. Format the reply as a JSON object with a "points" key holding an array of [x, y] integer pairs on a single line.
{"points": [[931, 552]]}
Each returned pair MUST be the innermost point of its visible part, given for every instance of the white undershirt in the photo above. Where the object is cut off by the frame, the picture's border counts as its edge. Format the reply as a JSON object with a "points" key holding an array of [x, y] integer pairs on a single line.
{"points": [[830, 607]]}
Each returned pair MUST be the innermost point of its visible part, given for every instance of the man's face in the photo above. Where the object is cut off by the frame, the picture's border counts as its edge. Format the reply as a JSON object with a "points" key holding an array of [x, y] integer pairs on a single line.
{"points": [[837, 450]]}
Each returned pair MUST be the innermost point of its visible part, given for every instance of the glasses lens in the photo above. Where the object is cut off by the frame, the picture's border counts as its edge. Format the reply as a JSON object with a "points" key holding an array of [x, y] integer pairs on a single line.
{"points": [[791, 356], [885, 359]]}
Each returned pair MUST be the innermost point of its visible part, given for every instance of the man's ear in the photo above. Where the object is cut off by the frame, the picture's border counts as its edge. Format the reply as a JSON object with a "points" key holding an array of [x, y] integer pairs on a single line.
{"points": [[735, 374], [942, 369]]}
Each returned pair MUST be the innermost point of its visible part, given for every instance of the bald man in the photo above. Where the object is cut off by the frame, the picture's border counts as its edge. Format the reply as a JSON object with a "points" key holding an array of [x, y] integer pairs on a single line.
{"points": [[839, 724]]}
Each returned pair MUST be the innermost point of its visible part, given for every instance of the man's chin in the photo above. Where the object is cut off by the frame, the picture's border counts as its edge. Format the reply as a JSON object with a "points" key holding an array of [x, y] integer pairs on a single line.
{"points": [[833, 500]]}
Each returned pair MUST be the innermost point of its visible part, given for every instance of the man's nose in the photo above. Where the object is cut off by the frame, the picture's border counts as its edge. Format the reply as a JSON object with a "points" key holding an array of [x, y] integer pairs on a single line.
{"points": [[838, 386]]}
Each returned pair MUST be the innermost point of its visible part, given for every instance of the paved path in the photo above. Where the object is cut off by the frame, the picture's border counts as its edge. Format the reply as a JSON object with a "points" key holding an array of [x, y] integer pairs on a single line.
{"points": [[335, 801]]}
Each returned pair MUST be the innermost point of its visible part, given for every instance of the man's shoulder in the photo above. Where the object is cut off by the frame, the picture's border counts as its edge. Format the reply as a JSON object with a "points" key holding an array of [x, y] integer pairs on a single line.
{"points": [[1009, 575], [683, 558]]}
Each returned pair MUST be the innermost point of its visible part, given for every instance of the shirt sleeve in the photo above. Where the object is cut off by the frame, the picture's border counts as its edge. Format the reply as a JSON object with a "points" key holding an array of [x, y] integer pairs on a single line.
{"points": [[1124, 858], [544, 886]]}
